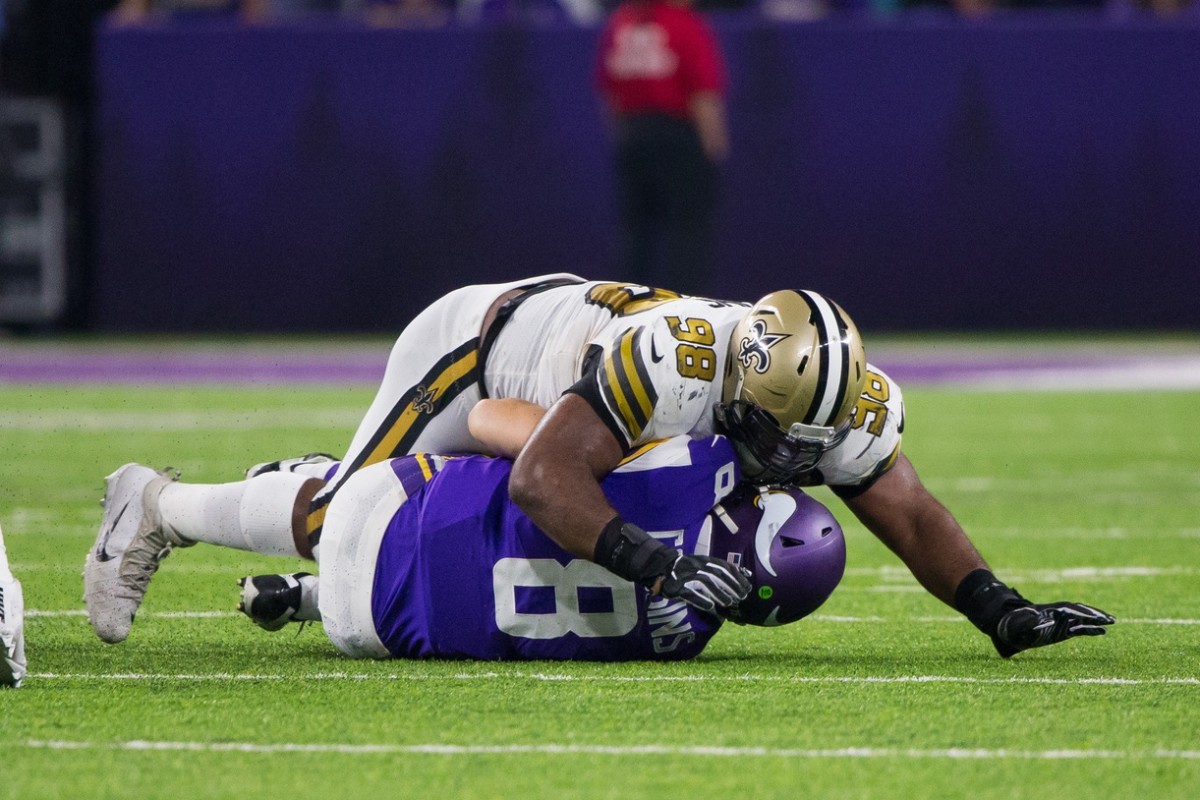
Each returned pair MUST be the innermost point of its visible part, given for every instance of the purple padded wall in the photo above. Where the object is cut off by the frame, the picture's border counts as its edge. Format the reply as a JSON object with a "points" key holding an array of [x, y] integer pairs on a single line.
{"points": [[1029, 172]]}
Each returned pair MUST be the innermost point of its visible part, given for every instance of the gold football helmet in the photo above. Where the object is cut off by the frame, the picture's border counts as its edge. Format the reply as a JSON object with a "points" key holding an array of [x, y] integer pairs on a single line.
{"points": [[796, 368]]}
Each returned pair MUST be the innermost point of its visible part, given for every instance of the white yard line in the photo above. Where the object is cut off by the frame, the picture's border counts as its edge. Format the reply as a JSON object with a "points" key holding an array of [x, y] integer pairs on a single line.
{"points": [[1070, 572], [564, 678], [22, 519], [956, 753], [34, 613], [1181, 374], [80, 612], [895, 578], [1012, 574]]}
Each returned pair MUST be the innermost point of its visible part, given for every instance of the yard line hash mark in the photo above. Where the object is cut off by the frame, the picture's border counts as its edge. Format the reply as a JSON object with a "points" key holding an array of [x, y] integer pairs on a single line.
{"points": [[955, 753]]}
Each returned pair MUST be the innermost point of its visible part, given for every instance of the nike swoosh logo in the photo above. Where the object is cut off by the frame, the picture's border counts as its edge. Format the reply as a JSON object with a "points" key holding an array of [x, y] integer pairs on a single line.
{"points": [[778, 508], [102, 551], [772, 619], [654, 356]]}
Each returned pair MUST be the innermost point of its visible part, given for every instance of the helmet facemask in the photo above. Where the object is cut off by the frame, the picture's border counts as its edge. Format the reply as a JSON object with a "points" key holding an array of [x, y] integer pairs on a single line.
{"points": [[770, 455]]}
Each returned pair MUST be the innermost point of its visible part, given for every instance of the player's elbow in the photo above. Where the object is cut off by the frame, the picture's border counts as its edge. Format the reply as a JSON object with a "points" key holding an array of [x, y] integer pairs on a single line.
{"points": [[526, 484]]}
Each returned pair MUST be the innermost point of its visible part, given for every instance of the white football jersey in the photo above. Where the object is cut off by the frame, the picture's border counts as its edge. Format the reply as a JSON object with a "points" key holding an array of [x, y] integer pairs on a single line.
{"points": [[657, 360], [662, 356], [873, 443]]}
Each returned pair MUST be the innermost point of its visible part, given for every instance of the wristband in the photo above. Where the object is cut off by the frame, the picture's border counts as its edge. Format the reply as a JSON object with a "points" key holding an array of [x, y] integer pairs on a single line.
{"points": [[985, 600], [633, 554]]}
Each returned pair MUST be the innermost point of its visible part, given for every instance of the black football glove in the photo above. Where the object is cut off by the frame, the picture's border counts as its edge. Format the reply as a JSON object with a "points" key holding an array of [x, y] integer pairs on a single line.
{"points": [[1040, 624], [1015, 624], [706, 583]]}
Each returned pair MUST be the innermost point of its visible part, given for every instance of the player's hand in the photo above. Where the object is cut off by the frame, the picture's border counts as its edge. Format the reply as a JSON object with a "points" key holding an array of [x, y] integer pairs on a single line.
{"points": [[706, 583], [1037, 625]]}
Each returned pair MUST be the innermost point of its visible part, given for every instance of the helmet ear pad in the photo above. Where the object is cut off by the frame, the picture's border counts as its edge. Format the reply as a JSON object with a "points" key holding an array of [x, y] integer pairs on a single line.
{"points": [[793, 547]]}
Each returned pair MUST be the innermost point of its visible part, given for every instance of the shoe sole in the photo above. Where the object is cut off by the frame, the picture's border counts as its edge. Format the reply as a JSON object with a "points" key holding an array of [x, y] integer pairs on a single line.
{"points": [[111, 617]]}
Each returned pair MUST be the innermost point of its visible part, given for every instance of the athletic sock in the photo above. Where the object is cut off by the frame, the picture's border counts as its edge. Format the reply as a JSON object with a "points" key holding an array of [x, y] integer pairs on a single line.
{"points": [[310, 588], [253, 515]]}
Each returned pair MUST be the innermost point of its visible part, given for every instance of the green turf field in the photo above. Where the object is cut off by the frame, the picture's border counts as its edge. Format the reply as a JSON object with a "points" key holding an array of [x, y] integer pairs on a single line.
{"points": [[884, 694]]}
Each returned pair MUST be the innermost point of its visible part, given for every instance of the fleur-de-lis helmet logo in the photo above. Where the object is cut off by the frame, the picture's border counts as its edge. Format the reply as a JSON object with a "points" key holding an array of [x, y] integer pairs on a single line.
{"points": [[754, 351]]}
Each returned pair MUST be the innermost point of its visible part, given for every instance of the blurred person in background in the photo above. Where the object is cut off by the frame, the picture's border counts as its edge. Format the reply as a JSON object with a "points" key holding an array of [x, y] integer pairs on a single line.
{"points": [[579, 12], [661, 78], [408, 13], [378, 13], [979, 8], [1164, 8], [137, 11]]}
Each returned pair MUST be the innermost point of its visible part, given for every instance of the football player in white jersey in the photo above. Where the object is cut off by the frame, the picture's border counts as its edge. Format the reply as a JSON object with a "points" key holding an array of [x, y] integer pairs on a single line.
{"points": [[618, 365]]}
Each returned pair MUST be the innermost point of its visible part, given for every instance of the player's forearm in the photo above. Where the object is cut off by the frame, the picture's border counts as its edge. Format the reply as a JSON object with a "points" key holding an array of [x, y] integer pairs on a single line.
{"points": [[708, 114], [569, 508], [555, 480], [919, 530], [938, 552], [503, 426], [932, 544], [132, 10]]}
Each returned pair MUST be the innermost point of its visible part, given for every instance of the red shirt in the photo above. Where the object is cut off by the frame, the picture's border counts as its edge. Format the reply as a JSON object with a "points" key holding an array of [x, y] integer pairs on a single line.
{"points": [[654, 56]]}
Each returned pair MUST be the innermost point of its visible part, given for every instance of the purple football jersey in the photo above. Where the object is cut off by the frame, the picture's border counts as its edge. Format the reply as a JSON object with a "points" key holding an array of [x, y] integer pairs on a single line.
{"points": [[463, 573]]}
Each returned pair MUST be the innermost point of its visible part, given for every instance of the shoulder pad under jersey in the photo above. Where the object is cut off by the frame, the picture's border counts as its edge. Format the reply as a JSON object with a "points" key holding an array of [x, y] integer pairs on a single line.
{"points": [[653, 384], [874, 440]]}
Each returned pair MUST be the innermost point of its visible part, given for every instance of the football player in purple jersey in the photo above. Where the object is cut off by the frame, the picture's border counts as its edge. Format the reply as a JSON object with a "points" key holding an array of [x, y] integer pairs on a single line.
{"points": [[427, 556]]}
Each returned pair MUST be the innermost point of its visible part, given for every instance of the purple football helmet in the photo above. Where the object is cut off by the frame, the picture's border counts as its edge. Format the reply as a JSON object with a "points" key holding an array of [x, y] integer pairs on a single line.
{"points": [[792, 546]]}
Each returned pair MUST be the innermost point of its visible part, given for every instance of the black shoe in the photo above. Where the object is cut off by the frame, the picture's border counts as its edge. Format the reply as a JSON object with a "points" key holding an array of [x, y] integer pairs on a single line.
{"points": [[272, 601]]}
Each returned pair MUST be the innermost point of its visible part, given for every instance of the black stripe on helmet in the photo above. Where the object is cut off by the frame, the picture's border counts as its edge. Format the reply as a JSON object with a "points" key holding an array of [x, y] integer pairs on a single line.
{"points": [[833, 361]]}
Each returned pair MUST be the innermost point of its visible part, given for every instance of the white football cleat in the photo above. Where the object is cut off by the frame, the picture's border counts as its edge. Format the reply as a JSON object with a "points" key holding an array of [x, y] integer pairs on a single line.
{"points": [[129, 547], [12, 633]]}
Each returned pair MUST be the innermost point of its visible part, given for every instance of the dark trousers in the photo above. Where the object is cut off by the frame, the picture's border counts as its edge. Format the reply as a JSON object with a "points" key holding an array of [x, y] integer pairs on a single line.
{"points": [[667, 190]]}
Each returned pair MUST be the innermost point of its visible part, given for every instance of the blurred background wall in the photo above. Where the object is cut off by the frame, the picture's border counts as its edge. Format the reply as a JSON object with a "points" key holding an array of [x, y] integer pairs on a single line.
{"points": [[1017, 171]]}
